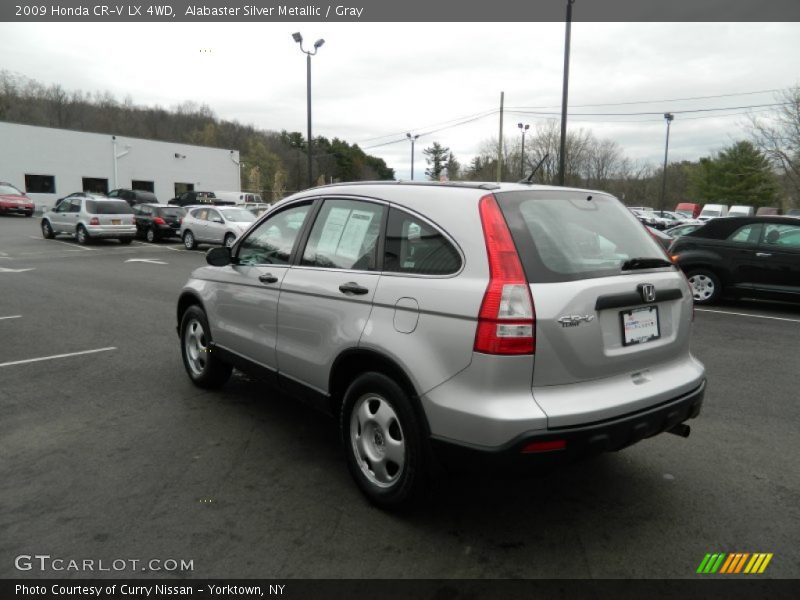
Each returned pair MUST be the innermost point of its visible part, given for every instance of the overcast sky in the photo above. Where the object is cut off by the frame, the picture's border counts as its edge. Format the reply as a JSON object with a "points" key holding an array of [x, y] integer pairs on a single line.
{"points": [[373, 82]]}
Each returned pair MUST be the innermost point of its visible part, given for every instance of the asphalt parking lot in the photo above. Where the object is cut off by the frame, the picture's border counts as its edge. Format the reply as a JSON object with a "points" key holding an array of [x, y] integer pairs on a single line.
{"points": [[113, 454]]}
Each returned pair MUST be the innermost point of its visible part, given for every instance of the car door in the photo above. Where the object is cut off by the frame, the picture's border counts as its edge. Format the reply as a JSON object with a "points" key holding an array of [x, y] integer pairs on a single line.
{"points": [[199, 224], [72, 215], [215, 227], [326, 297], [144, 218], [58, 217], [739, 254], [246, 315], [778, 257]]}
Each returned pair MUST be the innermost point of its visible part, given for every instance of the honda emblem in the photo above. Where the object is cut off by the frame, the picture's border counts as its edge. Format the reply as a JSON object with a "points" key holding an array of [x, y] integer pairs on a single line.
{"points": [[648, 292]]}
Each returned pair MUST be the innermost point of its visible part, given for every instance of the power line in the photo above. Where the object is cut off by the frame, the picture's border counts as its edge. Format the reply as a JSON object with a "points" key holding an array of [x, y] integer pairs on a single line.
{"points": [[652, 113]]}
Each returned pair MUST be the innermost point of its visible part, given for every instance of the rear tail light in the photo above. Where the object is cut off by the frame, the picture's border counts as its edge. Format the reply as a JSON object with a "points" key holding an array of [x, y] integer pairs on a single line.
{"points": [[506, 322], [159, 221], [94, 221]]}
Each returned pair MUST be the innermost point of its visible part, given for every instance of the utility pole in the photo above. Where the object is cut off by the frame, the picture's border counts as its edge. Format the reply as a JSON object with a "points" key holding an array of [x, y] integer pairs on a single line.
{"points": [[500, 141], [668, 117], [562, 155]]}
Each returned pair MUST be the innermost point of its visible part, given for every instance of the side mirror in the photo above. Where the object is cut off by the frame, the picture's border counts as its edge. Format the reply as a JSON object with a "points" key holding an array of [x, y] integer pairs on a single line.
{"points": [[217, 220], [219, 256]]}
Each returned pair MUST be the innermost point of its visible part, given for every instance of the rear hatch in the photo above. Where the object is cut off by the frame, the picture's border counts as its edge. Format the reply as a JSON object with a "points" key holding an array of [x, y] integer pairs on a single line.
{"points": [[609, 305], [172, 216], [110, 214]]}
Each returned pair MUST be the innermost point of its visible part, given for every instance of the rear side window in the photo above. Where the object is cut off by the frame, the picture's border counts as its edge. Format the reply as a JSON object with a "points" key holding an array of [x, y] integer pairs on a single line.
{"points": [[345, 236], [746, 235], [414, 246], [108, 207], [568, 235]]}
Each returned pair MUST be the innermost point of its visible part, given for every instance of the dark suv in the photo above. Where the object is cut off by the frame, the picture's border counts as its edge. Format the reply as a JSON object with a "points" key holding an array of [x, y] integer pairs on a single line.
{"points": [[742, 256], [158, 221], [191, 198], [134, 197]]}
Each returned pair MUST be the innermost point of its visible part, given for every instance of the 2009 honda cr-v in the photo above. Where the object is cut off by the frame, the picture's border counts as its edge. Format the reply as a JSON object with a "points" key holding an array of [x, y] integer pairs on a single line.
{"points": [[443, 319]]}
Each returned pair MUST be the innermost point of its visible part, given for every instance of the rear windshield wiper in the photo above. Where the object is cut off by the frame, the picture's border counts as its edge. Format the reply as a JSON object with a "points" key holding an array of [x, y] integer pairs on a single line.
{"points": [[645, 263]]}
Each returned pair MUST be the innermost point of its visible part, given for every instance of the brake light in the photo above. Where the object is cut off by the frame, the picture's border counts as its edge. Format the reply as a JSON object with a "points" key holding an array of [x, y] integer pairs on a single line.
{"points": [[159, 221], [94, 221], [506, 320]]}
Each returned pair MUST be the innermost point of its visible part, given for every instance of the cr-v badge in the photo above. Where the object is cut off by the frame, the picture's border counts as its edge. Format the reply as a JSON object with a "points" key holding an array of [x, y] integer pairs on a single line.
{"points": [[575, 320]]}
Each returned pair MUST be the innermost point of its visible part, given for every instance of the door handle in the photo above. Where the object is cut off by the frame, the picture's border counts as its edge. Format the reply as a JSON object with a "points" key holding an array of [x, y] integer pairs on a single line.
{"points": [[267, 278], [763, 254], [351, 287]]}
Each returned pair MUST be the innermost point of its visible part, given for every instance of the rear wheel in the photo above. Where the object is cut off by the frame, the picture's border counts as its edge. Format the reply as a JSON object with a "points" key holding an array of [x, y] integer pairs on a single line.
{"points": [[47, 230], [82, 235], [188, 240], [205, 369], [383, 442], [150, 236], [705, 285]]}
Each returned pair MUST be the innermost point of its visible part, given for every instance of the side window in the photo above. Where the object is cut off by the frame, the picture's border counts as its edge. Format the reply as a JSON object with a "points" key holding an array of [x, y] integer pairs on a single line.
{"points": [[783, 236], [345, 236], [75, 205], [413, 246], [200, 215], [747, 234], [214, 216], [272, 241]]}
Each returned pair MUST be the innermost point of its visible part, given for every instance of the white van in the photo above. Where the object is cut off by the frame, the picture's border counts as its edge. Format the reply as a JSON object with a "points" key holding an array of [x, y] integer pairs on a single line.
{"points": [[712, 211], [239, 197], [741, 211]]}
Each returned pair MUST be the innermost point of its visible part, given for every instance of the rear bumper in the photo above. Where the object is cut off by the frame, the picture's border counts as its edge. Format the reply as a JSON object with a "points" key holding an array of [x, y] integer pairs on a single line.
{"points": [[16, 209], [114, 231], [579, 441]]}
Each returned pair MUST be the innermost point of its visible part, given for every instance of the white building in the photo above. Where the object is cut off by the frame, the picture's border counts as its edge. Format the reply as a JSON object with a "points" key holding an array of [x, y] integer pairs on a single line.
{"points": [[50, 163]]}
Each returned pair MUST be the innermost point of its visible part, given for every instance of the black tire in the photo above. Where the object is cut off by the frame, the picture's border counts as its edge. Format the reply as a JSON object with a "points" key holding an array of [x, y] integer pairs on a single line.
{"points": [[229, 240], [150, 235], [188, 240], [47, 230], [204, 368], [388, 419], [82, 235], [705, 285], [125, 241]]}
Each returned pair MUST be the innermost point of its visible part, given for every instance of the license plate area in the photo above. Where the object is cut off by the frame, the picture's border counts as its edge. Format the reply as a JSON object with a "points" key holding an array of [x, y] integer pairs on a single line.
{"points": [[116, 221], [639, 325]]}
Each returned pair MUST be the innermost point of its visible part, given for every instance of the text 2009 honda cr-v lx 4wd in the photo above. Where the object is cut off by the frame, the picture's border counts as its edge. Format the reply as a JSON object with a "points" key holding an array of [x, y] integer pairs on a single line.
{"points": [[511, 321]]}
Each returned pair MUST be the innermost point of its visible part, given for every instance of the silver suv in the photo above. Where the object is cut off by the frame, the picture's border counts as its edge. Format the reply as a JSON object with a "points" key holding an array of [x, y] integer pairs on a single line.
{"points": [[451, 321], [90, 216]]}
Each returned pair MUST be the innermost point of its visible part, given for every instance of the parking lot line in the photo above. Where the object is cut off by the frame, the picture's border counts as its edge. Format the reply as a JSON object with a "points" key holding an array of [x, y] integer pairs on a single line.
{"points": [[33, 360], [11, 317], [725, 312]]}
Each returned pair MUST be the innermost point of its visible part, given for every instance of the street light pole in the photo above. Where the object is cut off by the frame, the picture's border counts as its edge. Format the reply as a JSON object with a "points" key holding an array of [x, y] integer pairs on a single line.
{"points": [[412, 139], [668, 117], [565, 93], [524, 129], [317, 45]]}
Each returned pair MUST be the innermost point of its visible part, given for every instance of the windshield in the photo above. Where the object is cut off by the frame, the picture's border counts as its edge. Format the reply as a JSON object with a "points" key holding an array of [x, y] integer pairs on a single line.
{"points": [[9, 190], [563, 236], [238, 215]]}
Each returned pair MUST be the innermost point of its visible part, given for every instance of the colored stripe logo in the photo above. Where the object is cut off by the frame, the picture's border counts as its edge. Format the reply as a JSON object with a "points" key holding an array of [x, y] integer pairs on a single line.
{"points": [[734, 563]]}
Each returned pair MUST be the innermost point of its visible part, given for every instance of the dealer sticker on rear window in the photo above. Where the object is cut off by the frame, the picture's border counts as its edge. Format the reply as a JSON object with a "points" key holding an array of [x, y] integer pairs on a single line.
{"points": [[639, 325]]}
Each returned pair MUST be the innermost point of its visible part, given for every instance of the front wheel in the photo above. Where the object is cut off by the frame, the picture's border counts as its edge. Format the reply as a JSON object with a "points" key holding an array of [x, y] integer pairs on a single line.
{"points": [[383, 442], [229, 240], [205, 369], [705, 286], [188, 240]]}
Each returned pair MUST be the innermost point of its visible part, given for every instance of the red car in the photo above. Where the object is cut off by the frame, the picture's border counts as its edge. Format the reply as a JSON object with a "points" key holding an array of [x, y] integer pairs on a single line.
{"points": [[14, 201]]}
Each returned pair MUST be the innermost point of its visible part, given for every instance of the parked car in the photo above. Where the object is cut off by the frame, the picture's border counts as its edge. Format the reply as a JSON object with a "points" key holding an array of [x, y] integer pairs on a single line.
{"points": [[90, 216], [662, 238], [239, 197], [670, 218], [134, 197], [192, 198], [679, 230], [755, 257], [155, 222], [14, 201], [257, 208], [764, 211], [646, 217], [214, 225], [689, 209], [740, 210], [712, 211], [793, 212], [506, 322]]}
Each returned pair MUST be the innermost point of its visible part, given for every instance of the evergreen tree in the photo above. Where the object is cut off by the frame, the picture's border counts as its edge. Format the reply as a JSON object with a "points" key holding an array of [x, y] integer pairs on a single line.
{"points": [[436, 157]]}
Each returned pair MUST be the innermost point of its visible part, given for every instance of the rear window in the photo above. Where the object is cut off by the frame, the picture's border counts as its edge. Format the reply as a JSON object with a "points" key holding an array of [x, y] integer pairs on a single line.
{"points": [[565, 236], [171, 211], [108, 207]]}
